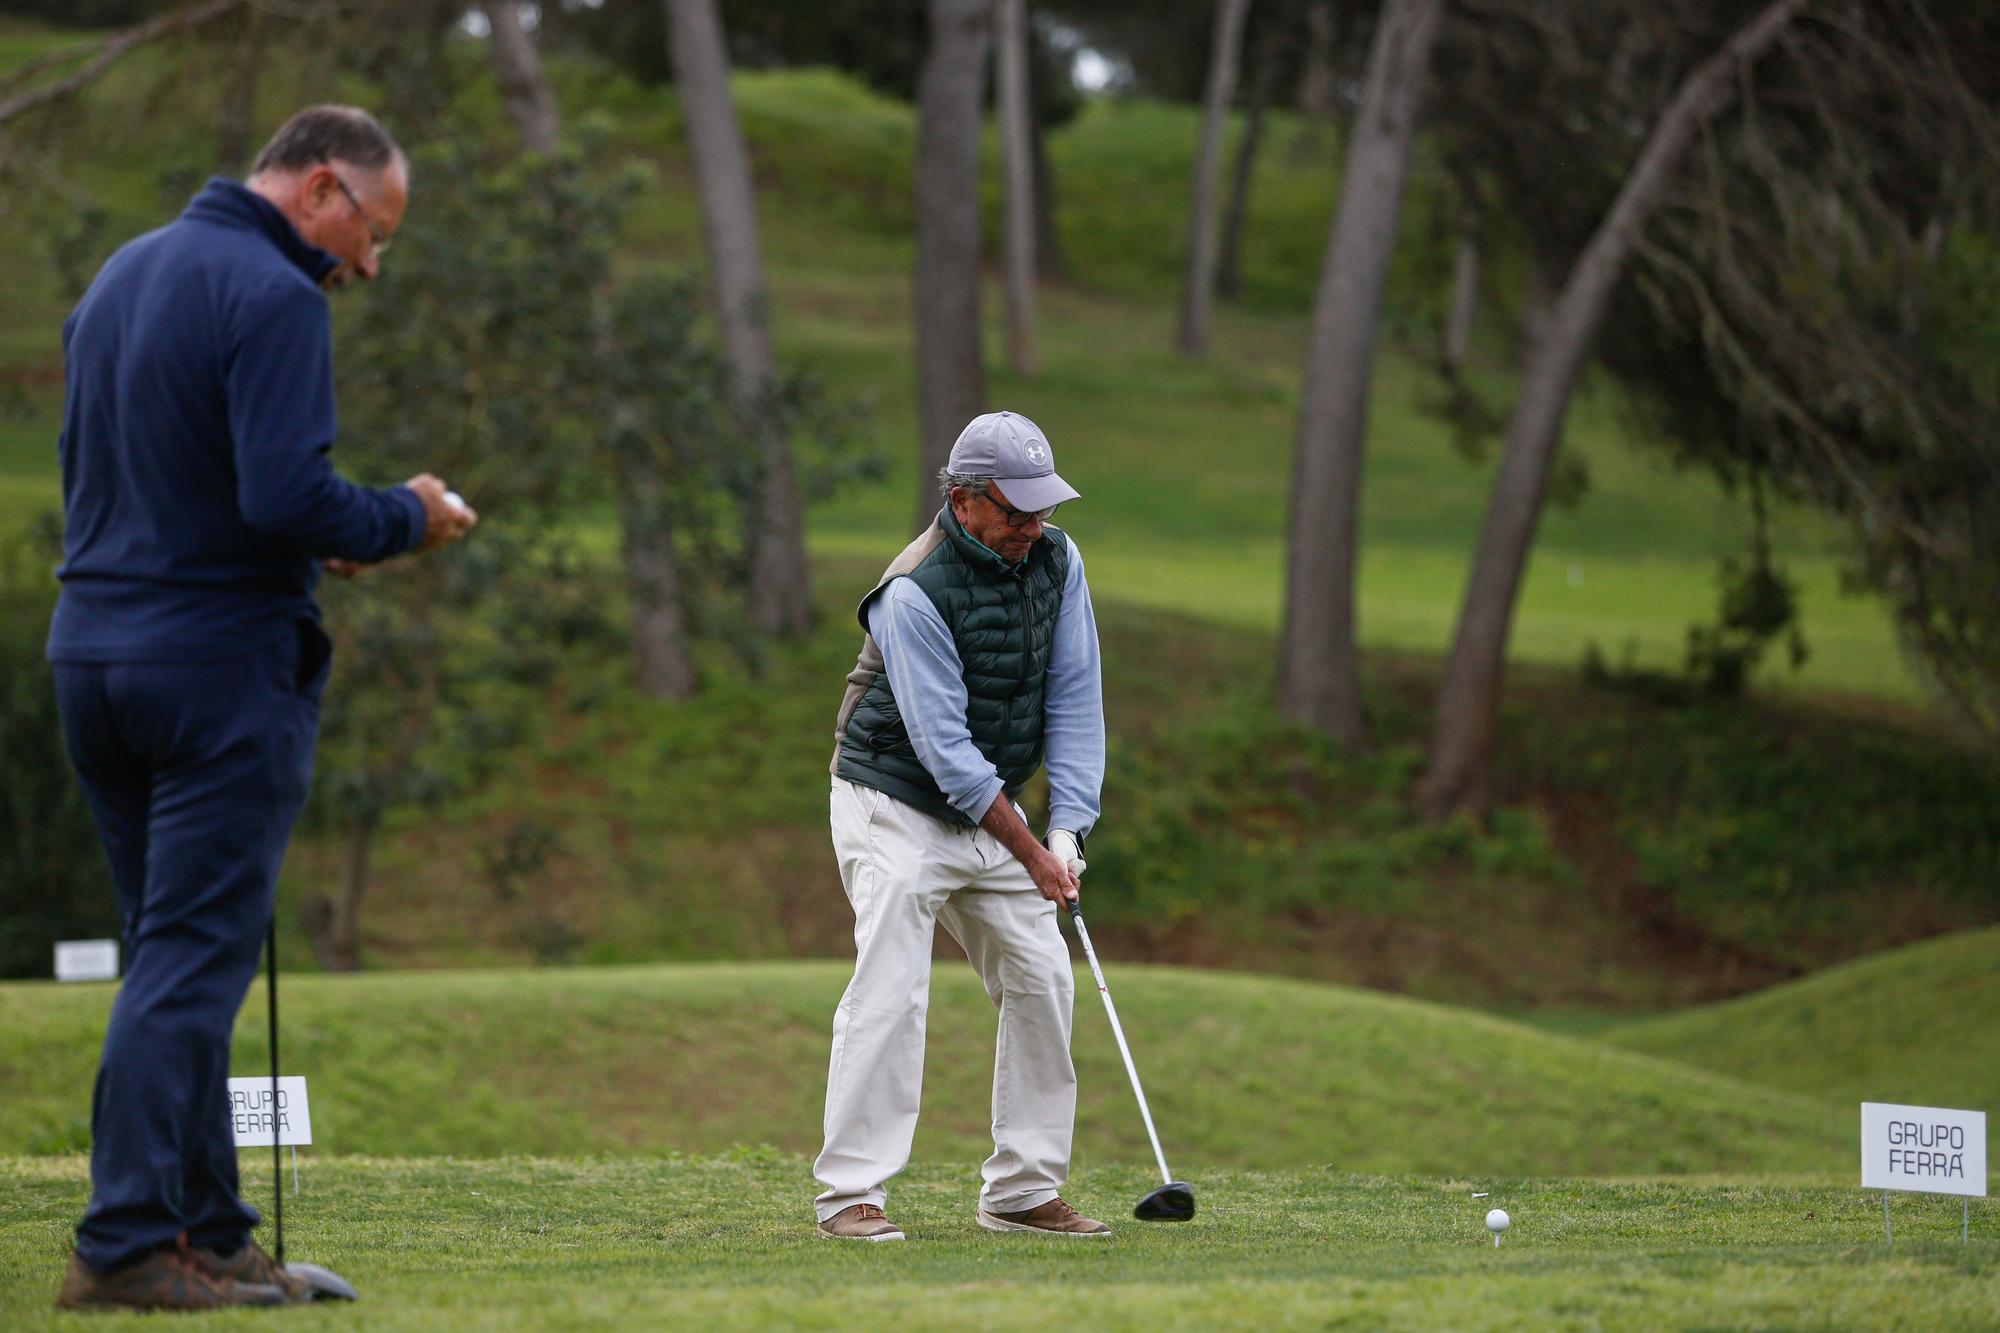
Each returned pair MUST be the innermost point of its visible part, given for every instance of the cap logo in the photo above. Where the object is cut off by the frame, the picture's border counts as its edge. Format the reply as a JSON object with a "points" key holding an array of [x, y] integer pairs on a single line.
{"points": [[1037, 454]]}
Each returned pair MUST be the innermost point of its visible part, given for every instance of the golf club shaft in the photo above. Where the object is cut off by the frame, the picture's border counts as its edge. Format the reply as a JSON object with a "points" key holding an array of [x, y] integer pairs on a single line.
{"points": [[277, 1162], [1111, 1011]]}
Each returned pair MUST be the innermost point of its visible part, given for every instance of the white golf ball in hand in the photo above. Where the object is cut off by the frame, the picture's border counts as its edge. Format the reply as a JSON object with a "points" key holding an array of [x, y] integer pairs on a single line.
{"points": [[455, 500], [1498, 1221]]}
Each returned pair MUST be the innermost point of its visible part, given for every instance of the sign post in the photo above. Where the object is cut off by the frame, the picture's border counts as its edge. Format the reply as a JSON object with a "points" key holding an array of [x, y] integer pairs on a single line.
{"points": [[262, 1120], [1923, 1150]]}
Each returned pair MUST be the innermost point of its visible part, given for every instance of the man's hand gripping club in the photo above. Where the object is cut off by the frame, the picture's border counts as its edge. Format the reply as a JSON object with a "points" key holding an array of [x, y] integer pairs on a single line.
{"points": [[1055, 873], [1067, 850]]}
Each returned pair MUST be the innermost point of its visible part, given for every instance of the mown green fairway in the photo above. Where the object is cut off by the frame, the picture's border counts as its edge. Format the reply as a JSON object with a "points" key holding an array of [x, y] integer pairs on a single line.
{"points": [[722, 1243], [685, 1098], [1912, 1025], [1242, 1071]]}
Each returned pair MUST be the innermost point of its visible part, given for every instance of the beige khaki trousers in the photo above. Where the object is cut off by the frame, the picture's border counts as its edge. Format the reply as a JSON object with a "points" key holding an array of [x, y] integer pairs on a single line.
{"points": [[905, 872]]}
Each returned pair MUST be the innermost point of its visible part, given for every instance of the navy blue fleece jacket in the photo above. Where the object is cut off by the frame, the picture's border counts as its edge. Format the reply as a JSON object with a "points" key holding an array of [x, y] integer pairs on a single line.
{"points": [[198, 496]]}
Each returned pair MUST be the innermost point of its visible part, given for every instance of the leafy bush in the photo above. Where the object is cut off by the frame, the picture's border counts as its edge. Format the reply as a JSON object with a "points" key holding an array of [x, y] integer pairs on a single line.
{"points": [[1774, 826], [54, 884], [1237, 811]]}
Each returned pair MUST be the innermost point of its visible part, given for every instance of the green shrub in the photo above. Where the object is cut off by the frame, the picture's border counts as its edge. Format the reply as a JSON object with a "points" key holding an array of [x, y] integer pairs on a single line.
{"points": [[1774, 825], [1238, 811], [53, 880]]}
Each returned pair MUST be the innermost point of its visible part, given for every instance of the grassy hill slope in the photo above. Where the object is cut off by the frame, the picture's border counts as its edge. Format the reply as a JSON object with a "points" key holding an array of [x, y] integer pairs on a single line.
{"points": [[1241, 1071], [1645, 857], [1919, 1024]]}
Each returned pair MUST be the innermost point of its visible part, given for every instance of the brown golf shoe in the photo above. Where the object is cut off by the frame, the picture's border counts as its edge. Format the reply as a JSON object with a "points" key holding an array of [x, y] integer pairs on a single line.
{"points": [[864, 1221], [169, 1279], [1054, 1218], [250, 1266]]}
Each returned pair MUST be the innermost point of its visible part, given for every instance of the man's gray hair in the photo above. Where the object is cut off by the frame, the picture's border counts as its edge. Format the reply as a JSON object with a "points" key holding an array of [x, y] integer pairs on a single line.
{"points": [[328, 134], [949, 481]]}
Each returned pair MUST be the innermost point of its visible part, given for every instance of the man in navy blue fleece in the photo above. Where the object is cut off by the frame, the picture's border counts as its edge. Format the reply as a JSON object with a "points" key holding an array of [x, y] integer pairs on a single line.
{"points": [[200, 506], [980, 662]]}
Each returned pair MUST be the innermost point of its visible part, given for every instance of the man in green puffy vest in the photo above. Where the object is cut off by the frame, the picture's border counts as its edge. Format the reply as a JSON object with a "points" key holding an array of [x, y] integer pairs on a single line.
{"points": [[979, 665]]}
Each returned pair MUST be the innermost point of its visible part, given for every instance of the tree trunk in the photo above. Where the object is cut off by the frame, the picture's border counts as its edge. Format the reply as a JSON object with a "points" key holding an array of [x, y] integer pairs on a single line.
{"points": [[951, 381], [661, 665], [1319, 80], [1225, 53], [1537, 313], [524, 89], [1464, 296], [1319, 679], [780, 594], [337, 929], [1049, 264], [239, 99], [1016, 141], [1458, 778], [1229, 268]]}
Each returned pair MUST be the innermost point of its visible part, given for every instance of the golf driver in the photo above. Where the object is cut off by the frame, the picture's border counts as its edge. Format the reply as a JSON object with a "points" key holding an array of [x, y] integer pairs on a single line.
{"points": [[323, 1283], [1173, 1201]]}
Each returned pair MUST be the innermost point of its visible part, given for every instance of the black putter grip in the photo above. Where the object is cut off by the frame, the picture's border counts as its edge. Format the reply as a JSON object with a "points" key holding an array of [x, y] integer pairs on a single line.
{"points": [[1075, 908]]}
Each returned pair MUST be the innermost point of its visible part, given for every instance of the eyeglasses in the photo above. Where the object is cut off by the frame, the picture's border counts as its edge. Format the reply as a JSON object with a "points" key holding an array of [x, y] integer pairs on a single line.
{"points": [[378, 242], [1020, 518]]}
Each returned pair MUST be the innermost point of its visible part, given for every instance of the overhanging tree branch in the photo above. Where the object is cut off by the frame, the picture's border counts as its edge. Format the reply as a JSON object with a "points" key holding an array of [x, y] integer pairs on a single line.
{"points": [[1722, 340], [114, 48], [28, 69]]}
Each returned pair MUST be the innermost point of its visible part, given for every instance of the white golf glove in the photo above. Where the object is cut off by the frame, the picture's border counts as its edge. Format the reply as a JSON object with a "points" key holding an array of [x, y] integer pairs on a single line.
{"points": [[1063, 843]]}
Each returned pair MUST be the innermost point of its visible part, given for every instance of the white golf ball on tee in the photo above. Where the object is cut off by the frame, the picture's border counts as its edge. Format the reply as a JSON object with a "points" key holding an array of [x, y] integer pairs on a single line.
{"points": [[1497, 1221]]}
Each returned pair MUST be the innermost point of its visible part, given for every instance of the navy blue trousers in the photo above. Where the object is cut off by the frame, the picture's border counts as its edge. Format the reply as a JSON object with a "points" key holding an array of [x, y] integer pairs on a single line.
{"points": [[195, 772]]}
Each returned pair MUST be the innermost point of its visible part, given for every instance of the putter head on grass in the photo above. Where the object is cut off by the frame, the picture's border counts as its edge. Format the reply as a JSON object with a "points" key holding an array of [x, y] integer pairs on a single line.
{"points": [[324, 1283], [1171, 1202]]}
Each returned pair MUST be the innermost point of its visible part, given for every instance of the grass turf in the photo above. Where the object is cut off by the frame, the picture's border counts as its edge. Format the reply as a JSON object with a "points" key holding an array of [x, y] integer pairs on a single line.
{"points": [[1228, 840], [538, 1243], [1911, 1025], [1258, 1072]]}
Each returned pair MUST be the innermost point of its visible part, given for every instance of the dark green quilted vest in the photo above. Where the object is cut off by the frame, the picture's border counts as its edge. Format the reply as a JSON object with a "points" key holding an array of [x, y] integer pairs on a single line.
{"points": [[1002, 618]]}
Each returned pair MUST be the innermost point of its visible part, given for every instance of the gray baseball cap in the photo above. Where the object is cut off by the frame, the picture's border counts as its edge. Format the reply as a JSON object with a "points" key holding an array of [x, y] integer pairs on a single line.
{"points": [[1012, 450]]}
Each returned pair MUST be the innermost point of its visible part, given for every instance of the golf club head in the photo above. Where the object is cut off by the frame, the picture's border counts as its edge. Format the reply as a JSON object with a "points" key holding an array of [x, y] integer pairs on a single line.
{"points": [[1171, 1202], [324, 1283]]}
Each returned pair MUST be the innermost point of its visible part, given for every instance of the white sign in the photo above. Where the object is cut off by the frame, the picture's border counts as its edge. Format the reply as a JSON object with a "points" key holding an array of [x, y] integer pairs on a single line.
{"points": [[252, 1116], [1925, 1149], [87, 960]]}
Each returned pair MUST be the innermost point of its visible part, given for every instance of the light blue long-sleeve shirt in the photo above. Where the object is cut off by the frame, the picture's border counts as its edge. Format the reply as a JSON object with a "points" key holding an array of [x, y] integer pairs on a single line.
{"points": [[929, 682]]}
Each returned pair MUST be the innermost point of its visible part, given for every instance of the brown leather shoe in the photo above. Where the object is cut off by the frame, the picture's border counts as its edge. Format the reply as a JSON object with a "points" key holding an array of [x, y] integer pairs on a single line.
{"points": [[250, 1266], [1054, 1218], [864, 1221], [169, 1279]]}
